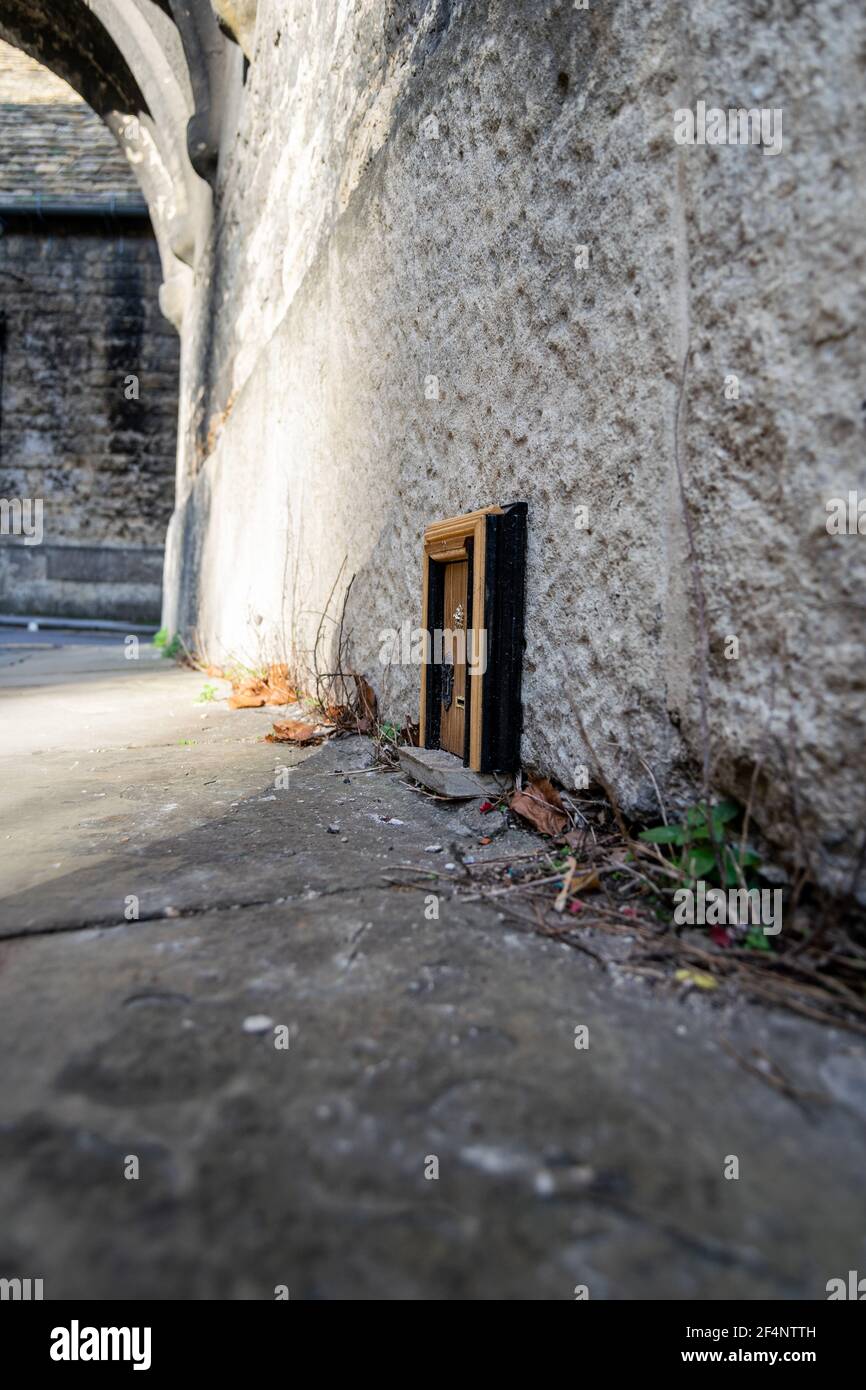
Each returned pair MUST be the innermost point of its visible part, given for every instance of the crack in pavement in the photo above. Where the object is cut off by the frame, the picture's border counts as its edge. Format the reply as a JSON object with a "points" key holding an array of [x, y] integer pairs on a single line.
{"points": [[181, 914]]}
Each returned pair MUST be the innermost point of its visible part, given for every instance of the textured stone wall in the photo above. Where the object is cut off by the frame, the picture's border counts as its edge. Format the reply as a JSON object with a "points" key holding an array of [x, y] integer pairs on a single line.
{"points": [[360, 247], [80, 319]]}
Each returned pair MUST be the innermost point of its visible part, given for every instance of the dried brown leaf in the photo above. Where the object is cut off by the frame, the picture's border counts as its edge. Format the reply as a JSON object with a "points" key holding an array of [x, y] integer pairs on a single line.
{"points": [[294, 731], [544, 787], [245, 699], [538, 810], [365, 699]]}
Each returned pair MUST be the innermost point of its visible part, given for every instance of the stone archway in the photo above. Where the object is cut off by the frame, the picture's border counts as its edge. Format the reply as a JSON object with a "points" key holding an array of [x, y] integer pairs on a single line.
{"points": [[150, 71]]}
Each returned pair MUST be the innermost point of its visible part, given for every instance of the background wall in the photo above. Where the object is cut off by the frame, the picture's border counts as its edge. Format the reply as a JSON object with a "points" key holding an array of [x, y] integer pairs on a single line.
{"points": [[80, 314], [353, 257]]}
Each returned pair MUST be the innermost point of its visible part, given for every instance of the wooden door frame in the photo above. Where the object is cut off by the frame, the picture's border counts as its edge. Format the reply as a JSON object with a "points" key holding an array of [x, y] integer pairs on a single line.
{"points": [[455, 539], [493, 540]]}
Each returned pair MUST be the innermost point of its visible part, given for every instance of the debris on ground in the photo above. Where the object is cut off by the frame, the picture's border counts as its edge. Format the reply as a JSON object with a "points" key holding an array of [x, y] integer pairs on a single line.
{"points": [[297, 731], [609, 890], [540, 803], [612, 896], [273, 687]]}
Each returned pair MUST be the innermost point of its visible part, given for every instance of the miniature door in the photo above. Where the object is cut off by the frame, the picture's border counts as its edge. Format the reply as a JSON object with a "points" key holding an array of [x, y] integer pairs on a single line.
{"points": [[472, 614], [452, 725]]}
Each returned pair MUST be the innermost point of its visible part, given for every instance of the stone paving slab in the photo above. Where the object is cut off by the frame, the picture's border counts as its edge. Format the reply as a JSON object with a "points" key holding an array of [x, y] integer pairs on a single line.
{"points": [[411, 1037]]}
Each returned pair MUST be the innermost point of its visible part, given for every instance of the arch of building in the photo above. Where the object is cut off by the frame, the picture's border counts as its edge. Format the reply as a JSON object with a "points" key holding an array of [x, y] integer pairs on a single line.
{"points": [[157, 72]]}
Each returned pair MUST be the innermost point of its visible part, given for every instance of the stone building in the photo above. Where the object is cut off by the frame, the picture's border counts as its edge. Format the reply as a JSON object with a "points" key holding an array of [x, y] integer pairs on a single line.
{"points": [[425, 257], [88, 364]]}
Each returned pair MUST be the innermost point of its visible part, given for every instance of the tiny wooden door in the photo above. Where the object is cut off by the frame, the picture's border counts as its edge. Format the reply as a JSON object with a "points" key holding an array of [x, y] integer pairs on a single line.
{"points": [[453, 719]]}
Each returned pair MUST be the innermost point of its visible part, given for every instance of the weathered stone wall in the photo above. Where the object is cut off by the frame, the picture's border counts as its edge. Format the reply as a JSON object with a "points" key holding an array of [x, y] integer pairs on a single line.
{"points": [[80, 319], [353, 257]]}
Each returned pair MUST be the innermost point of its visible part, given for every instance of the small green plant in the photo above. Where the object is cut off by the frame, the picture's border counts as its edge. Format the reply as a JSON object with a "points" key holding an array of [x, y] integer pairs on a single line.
{"points": [[209, 692], [756, 939], [169, 646], [238, 673], [707, 845]]}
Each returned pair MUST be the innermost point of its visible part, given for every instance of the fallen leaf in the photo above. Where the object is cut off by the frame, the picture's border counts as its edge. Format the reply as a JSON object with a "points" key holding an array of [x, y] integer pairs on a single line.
{"points": [[540, 804], [366, 701], [245, 699], [696, 977], [339, 714], [279, 695], [545, 788], [294, 731], [248, 694]]}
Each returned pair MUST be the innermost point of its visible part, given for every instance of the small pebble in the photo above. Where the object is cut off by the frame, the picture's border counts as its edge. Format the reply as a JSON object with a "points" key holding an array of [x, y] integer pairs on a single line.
{"points": [[334, 829], [432, 849], [257, 1023], [543, 1183]]}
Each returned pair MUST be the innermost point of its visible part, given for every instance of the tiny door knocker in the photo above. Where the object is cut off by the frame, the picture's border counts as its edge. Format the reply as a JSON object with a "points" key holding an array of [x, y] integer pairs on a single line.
{"points": [[447, 683]]}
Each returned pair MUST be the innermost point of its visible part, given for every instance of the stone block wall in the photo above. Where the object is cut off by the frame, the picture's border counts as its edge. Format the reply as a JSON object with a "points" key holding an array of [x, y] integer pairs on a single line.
{"points": [[88, 364]]}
